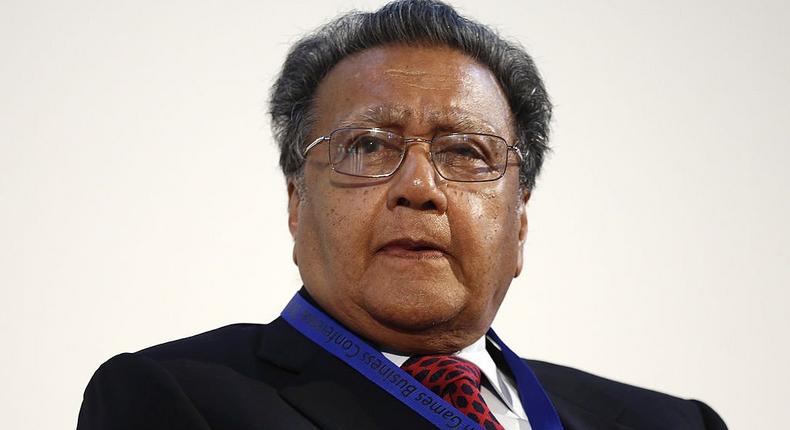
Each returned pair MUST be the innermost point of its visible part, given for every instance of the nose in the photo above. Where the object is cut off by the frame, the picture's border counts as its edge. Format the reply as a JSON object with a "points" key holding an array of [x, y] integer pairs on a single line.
{"points": [[415, 185]]}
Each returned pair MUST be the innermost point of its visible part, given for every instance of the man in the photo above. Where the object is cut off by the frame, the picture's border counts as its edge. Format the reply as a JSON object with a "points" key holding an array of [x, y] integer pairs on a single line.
{"points": [[410, 139]]}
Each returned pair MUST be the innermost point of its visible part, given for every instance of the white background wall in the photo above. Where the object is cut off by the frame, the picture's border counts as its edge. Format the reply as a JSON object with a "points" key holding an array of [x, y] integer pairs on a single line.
{"points": [[140, 199]]}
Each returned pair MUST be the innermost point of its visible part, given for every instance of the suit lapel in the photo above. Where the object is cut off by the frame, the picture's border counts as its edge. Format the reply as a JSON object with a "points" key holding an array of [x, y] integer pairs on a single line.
{"points": [[330, 393]]}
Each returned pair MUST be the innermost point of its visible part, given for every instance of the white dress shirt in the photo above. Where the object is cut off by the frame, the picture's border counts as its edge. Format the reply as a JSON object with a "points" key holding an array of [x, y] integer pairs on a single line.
{"points": [[503, 400]]}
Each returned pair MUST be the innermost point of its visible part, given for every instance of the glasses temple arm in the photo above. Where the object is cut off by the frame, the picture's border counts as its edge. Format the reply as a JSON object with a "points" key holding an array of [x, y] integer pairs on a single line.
{"points": [[518, 152], [314, 143]]}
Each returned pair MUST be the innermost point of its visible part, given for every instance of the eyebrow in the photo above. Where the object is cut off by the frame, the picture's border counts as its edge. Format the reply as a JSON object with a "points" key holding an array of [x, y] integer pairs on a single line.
{"points": [[393, 115]]}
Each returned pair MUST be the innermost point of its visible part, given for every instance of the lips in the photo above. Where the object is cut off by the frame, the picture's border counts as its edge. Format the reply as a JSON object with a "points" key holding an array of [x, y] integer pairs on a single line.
{"points": [[412, 248]]}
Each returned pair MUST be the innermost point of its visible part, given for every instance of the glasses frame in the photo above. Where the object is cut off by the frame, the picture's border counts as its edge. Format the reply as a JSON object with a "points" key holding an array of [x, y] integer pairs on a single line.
{"points": [[411, 140]]}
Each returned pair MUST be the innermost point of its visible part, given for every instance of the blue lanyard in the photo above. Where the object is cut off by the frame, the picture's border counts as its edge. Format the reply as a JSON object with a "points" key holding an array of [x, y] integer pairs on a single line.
{"points": [[536, 403], [348, 347]]}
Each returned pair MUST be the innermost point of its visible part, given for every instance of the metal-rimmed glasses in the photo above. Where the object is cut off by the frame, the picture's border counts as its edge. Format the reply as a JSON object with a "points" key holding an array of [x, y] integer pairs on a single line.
{"points": [[378, 153]]}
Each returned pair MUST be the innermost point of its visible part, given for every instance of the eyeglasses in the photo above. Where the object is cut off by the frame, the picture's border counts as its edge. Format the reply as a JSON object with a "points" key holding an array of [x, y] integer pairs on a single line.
{"points": [[377, 153]]}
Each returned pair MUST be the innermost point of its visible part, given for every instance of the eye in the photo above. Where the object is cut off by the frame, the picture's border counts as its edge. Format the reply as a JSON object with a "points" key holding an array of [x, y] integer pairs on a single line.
{"points": [[367, 144], [351, 148], [465, 150], [462, 150]]}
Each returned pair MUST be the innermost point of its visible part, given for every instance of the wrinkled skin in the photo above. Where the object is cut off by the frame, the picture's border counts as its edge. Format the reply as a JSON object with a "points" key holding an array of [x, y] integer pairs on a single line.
{"points": [[414, 263]]}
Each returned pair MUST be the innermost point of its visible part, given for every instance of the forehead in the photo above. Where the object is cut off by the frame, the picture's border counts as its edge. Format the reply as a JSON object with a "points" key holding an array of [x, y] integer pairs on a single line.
{"points": [[423, 89]]}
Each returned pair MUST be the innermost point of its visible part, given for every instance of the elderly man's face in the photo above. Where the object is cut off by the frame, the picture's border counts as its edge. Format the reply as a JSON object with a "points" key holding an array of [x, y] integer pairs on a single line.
{"points": [[413, 262]]}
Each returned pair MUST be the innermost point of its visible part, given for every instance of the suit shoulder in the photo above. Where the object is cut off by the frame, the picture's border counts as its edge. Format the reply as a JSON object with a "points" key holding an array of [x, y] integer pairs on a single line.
{"points": [[627, 403], [125, 365], [130, 391], [128, 371], [226, 344], [566, 380]]}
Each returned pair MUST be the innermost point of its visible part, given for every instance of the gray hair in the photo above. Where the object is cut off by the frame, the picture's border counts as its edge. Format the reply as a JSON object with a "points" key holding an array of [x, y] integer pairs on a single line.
{"points": [[413, 23]]}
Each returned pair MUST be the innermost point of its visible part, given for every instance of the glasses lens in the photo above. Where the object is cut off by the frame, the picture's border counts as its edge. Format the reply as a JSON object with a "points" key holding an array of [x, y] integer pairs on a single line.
{"points": [[365, 152], [470, 157]]}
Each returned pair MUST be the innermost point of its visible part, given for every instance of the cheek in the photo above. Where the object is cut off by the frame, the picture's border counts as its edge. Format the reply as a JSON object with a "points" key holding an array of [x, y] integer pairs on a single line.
{"points": [[342, 234], [485, 231]]}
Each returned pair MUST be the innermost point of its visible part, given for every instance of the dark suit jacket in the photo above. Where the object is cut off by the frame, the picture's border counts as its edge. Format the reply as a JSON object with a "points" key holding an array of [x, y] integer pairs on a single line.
{"points": [[251, 376]]}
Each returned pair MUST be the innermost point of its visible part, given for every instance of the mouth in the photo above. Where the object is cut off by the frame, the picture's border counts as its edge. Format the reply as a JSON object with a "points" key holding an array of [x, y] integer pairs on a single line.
{"points": [[412, 249]]}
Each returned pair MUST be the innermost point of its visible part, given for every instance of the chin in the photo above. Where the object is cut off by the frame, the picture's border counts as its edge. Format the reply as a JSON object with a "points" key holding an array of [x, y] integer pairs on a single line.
{"points": [[414, 307], [439, 340]]}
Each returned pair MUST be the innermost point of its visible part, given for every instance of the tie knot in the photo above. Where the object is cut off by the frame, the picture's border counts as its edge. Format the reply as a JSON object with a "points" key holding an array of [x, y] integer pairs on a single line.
{"points": [[457, 381], [444, 374]]}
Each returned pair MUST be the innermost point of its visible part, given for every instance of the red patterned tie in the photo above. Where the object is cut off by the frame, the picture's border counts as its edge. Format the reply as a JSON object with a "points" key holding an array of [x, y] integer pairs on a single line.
{"points": [[457, 381]]}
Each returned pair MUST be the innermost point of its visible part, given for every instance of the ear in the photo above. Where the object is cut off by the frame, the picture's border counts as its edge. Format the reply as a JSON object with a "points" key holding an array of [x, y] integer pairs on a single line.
{"points": [[294, 200], [522, 230]]}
